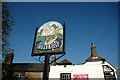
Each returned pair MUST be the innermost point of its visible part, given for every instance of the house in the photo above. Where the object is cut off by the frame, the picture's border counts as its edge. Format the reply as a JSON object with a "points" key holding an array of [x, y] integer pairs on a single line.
{"points": [[94, 68]]}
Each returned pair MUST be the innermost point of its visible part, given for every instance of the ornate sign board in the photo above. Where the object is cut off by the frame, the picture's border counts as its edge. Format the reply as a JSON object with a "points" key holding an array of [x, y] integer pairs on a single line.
{"points": [[49, 39]]}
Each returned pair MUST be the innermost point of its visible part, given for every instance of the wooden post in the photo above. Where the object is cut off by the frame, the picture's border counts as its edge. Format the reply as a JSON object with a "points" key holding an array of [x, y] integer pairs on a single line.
{"points": [[46, 68]]}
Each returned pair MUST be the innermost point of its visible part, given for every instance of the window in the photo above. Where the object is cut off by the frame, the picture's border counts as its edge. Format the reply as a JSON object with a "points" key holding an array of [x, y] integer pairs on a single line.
{"points": [[65, 76], [21, 75]]}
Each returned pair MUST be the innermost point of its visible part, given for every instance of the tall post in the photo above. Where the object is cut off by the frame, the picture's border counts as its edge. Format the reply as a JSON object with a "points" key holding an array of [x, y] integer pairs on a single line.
{"points": [[46, 68]]}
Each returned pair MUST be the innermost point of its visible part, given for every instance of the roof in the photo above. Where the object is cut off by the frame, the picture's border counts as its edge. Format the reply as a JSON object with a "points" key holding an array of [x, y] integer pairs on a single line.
{"points": [[97, 58], [28, 67], [64, 62]]}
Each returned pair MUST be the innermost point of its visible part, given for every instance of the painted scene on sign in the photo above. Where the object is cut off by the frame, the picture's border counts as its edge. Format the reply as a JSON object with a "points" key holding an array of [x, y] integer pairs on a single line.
{"points": [[49, 38]]}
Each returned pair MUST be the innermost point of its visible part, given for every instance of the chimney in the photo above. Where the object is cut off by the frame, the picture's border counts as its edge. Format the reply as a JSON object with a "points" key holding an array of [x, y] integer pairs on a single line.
{"points": [[54, 60], [94, 56], [93, 50], [9, 57]]}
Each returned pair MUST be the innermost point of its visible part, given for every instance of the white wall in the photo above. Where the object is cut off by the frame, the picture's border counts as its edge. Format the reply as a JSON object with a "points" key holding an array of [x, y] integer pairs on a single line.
{"points": [[93, 69]]}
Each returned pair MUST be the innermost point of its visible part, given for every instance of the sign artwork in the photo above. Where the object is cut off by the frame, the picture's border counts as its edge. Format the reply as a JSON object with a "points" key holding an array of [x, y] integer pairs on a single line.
{"points": [[49, 39]]}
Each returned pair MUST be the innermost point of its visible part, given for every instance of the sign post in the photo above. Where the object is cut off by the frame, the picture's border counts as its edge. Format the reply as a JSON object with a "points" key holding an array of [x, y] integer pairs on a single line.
{"points": [[48, 40], [46, 68]]}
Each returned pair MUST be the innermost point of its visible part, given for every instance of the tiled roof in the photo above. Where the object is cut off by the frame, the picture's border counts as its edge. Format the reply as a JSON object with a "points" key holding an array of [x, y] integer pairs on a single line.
{"points": [[32, 67], [65, 62], [97, 58]]}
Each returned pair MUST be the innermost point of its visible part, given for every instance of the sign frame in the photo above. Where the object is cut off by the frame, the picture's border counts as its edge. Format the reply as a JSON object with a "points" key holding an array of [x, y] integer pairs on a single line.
{"points": [[49, 53]]}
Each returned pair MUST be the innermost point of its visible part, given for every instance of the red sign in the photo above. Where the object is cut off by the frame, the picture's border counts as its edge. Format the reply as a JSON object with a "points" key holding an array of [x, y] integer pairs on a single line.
{"points": [[80, 77]]}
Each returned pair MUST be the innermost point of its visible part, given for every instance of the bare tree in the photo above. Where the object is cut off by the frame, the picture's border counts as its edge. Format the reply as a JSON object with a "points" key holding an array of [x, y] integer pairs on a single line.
{"points": [[7, 23]]}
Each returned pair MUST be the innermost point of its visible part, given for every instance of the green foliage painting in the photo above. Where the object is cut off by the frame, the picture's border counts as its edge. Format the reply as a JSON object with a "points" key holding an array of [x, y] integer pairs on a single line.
{"points": [[49, 38]]}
